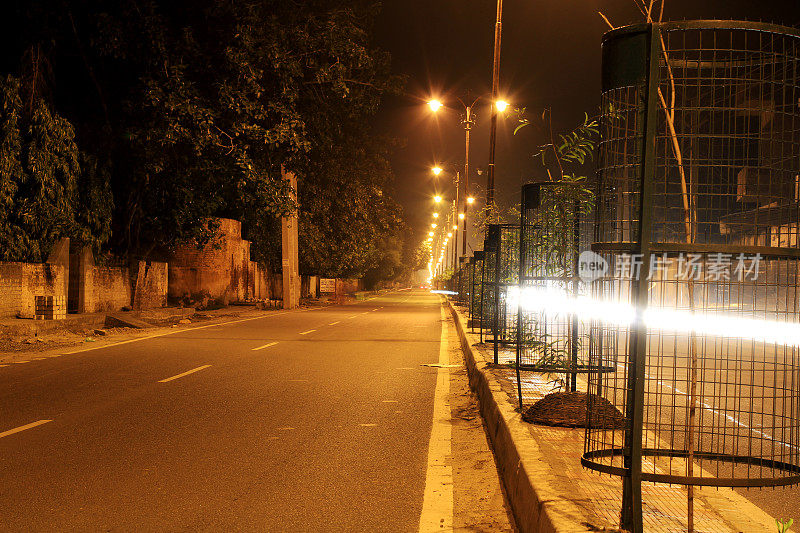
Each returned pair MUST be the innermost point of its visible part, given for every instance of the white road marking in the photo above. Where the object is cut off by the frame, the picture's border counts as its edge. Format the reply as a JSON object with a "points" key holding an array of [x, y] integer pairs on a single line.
{"points": [[368, 425], [285, 428], [389, 401], [334, 323], [192, 371], [307, 332], [265, 346], [352, 316], [437, 504], [23, 428]]}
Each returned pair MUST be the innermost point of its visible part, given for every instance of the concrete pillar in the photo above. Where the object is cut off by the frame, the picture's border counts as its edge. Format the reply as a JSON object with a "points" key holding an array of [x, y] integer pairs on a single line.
{"points": [[289, 251]]}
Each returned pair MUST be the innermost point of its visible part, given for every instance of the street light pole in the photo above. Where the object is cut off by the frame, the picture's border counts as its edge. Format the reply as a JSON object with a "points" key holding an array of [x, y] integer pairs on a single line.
{"points": [[468, 121], [493, 129]]}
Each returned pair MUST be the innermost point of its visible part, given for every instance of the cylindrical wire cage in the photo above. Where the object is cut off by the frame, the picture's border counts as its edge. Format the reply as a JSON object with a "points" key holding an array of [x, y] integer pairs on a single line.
{"points": [[698, 221], [476, 272], [550, 337], [500, 286]]}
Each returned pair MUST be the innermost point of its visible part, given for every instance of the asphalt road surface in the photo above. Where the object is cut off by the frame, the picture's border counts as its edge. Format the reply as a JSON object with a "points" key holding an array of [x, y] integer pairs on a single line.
{"points": [[317, 420]]}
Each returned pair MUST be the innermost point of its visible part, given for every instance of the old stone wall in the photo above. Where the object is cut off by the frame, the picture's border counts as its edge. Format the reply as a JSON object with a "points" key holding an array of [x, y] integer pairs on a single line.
{"points": [[221, 269], [111, 289], [21, 283], [152, 282]]}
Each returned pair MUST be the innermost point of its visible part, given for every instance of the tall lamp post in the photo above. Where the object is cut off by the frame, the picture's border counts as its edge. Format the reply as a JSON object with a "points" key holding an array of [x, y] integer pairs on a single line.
{"points": [[468, 121], [498, 27]]}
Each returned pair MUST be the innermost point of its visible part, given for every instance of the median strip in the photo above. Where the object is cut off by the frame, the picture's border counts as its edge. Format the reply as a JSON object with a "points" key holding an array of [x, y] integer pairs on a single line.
{"points": [[265, 346], [192, 371], [23, 428]]}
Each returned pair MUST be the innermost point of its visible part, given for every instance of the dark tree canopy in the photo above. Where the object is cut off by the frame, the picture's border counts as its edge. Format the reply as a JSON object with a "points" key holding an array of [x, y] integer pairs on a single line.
{"points": [[191, 109]]}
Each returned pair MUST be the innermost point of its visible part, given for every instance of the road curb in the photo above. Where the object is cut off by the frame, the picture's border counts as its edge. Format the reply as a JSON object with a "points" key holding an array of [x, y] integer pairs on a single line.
{"points": [[536, 505]]}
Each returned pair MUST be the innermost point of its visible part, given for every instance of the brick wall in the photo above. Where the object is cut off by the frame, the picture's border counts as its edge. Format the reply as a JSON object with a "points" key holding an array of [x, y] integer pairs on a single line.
{"points": [[111, 289], [221, 269], [20, 283], [151, 285]]}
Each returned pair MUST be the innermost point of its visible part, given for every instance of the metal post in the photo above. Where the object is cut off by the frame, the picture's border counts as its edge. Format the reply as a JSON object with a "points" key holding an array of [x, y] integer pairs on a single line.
{"points": [[498, 26], [631, 518], [467, 129], [576, 239]]}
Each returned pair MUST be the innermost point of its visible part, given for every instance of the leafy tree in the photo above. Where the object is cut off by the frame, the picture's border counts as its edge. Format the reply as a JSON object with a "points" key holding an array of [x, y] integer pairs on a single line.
{"points": [[192, 110], [42, 194]]}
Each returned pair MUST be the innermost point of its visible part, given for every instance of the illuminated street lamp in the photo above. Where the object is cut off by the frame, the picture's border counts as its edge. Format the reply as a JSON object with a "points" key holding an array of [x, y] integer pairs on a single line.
{"points": [[470, 200], [434, 105], [501, 105], [436, 215], [437, 198], [436, 170], [461, 216], [433, 225]]}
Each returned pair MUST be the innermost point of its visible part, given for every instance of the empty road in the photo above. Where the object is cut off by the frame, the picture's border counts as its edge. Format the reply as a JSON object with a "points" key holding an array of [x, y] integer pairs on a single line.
{"points": [[311, 420]]}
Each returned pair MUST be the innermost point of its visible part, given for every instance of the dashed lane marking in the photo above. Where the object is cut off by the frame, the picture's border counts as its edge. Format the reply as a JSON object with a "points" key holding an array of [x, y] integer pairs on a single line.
{"points": [[368, 425], [307, 332], [23, 428], [389, 401], [334, 323], [285, 428], [192, 371], [265, 346]]}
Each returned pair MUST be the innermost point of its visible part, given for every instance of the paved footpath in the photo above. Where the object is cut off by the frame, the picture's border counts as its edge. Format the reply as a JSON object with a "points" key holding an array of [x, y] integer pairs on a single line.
{"points": [[316, 420]]}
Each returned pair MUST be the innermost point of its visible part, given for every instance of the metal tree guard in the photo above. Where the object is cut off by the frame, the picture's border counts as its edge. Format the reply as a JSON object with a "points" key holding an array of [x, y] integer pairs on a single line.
{"points": [[500, 279], [549, 337], [698, 218], [476, 271]]}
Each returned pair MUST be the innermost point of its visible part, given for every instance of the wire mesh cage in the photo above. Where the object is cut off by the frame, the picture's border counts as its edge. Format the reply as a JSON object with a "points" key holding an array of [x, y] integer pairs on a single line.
{"points": [[462, 282], [698, 219], [551, 338], [476, 273], [500, 285]]}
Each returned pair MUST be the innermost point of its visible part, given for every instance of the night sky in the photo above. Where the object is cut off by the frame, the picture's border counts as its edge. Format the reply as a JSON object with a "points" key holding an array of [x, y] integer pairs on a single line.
{"points": [[550, 59]]}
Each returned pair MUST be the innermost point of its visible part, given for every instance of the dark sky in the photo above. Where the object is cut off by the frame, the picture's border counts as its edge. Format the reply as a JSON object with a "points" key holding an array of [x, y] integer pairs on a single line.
{"points": [[550, 59]]}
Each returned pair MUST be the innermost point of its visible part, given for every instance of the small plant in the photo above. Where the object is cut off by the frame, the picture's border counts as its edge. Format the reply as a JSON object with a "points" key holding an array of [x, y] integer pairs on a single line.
{"points": [[784, 524]]}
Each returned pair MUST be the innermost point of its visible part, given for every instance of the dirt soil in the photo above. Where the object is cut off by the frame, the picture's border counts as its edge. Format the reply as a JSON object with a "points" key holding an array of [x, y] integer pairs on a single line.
{"points": [[568, 409]]}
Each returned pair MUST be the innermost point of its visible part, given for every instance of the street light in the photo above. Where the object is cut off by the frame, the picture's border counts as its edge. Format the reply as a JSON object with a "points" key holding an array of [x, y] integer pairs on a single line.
{"points": [[461, 216], [437, 198], [433, 225], [434, 105], [436, 215], [470, 200], [436, 170], [501, 105]]}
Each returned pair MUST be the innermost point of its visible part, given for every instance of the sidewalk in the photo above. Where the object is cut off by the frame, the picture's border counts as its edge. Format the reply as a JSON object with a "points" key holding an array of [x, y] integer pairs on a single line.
{"points": [[549, 490]]}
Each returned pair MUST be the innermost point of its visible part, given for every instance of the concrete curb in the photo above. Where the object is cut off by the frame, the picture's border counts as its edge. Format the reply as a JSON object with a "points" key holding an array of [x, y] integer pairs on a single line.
{"points": [[536, 505]]}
